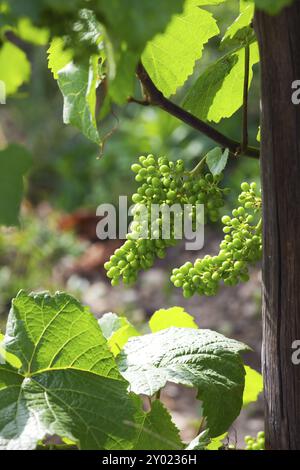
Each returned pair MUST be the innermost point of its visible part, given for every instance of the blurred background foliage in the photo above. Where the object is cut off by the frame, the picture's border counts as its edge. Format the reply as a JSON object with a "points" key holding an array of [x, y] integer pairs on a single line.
{"points": [[70, 173]]}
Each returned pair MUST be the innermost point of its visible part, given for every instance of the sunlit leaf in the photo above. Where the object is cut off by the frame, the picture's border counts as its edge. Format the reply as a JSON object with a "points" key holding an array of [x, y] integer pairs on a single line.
{"points": [[175, 316]]}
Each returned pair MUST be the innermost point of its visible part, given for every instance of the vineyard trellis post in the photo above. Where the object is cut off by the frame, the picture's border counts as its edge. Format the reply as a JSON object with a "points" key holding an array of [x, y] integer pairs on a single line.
{"points": [[279, 40]]}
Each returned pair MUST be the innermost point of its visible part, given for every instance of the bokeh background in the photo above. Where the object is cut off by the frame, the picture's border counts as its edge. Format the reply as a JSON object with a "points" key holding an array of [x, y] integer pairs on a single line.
{"points": [[56, 248]]}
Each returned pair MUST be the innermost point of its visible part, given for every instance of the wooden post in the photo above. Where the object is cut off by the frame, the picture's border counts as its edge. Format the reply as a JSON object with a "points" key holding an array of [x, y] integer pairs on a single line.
{"points": [[279, 41]]}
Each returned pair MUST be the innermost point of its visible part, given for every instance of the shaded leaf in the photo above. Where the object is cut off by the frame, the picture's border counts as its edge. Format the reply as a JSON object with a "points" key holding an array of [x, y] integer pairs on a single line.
{"points": [[130, 24], [218, 92], [200, 442], [15, 161], [216, 160], [78, 85], [111, 322], [272, 6]]}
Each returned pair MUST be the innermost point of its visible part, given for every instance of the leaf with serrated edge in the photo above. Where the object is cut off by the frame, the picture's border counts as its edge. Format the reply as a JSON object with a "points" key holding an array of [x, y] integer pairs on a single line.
{"points": [[69, 384], [196, 358], [158, 431], [43, 330], [218, 92], [170, 57], [58, 56], [240, 32]]}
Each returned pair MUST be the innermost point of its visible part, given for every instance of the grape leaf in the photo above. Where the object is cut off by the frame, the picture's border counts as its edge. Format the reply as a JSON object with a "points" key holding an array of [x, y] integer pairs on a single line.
{"points": [[130, 24], [117, 330], [15, 161], [68, 384], [240, 33], [118, 340], [14, 67], [30, 33], [170, 57], [50, 326], [216, 160], [218, 92], [196, 358], [158, 431], [58, 56], [78, 85], [91, 410], [175, 316], [253, 386]]}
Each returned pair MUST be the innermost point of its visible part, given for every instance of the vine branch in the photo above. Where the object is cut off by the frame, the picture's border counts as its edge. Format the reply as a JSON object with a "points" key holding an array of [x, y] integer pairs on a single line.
{"points": [[154, 97], [245, 100]]}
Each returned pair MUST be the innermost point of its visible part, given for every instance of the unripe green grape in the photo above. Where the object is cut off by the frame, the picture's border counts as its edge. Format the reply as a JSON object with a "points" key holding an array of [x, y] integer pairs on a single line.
{"points": [[255, 443], [163, 182], [242, 245]]}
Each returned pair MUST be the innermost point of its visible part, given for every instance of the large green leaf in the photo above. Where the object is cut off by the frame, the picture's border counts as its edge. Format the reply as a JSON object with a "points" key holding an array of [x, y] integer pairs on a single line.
{"points": [[196, 358], [15, 161], [130, 24], [68, 383], [218, 92], [158, 431], [14, 67], [91, 410], [78, 85], [170, 57]]}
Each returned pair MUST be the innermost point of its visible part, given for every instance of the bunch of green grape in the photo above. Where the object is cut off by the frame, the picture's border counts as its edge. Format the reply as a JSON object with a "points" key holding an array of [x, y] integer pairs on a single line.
{"points": [[255, 443], [163, 183], [242, 245]]}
